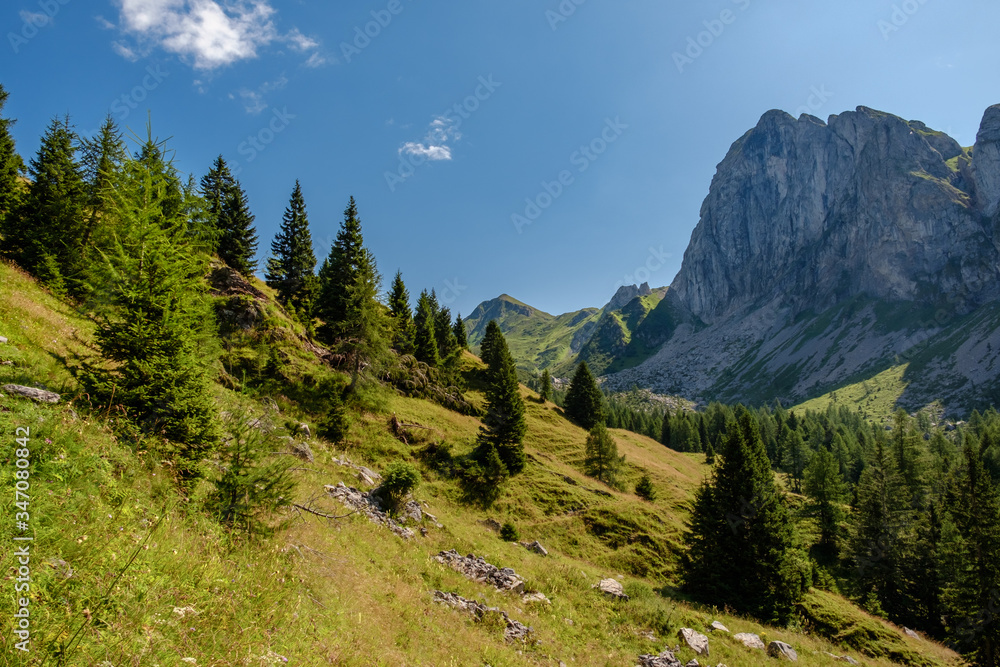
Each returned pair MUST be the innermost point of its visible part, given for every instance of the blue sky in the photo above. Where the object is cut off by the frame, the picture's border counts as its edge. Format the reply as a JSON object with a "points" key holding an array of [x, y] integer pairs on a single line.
{"points": [[599, 123]]}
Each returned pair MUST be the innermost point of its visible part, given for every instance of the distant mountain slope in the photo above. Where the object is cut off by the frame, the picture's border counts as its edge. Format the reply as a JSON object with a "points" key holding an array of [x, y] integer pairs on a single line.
{"points": [[828, 252]]}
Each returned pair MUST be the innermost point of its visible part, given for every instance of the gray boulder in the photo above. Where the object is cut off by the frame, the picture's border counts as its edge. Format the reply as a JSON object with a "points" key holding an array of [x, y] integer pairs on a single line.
{"points": [[696, 641], [535, 547], [719, 627], [2, 340], [612, 589], [39, 395], [749, 640], [665, 659], [782, 651]]}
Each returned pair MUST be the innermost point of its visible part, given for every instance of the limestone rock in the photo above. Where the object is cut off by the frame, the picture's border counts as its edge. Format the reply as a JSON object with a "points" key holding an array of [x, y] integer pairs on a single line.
{"points": [[611, 588], [696, 641], [749, 640], [986, 162], [535, 547], [492, 524], [303, 429], [911, 633], [39, 395], [477, 569], [719, 627], [693, 662], [665, 659], [368, 504], [515, 631], [535, 598], [2, 340], [781, 650], [302, 450]]}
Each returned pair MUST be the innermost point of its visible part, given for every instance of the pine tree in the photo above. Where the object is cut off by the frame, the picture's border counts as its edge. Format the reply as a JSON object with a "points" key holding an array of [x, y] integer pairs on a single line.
{"points": [[49, 236], [796, 455], [424, 341], [546, 391], [740, 543], [11, 165], [340, 271], [215, 188], [402, 317], [237, 234], [826, 488], [492, 338], [154, 322], [101, 159], [461, 336], [601, 460], [971, 594], [644, 488], [584, 401], [292, 267], [504, 424], [365, 333]]}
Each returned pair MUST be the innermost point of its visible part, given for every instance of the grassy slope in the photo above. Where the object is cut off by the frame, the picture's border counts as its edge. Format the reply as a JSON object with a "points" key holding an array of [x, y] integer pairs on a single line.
{"points": [[875, 398], [345, 591]]}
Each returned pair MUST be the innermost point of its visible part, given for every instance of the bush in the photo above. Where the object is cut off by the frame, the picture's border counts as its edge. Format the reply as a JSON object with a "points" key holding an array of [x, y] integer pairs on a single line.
{"points": [[644, 489], [398, 479], [334, 426], [508, 532]]}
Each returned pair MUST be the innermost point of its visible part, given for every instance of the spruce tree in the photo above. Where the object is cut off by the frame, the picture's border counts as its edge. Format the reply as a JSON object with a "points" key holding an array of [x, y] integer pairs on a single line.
{"points": [[101, 158], [739, 541], [584, 401], [826, 488], [215, 188], [492, 339], [546, 391], [504, 424], [237, 234], [48, 239], [291, 270], [11, 165], [971, 594], [154, 322], [601, 460], [443, 334], [424, 339], [644, 488], [340, 272], [402, 316], [878, 539], [365, 333], [461, 336]]}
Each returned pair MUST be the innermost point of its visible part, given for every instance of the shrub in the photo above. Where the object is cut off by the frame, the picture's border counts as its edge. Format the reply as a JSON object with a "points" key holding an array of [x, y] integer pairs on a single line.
{"points": [[398, 479], [644, 489], [508, 532]]}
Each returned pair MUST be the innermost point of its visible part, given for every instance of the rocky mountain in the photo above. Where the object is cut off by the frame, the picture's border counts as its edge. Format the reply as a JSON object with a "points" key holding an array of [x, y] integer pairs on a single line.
{"points": [[827, 251]]}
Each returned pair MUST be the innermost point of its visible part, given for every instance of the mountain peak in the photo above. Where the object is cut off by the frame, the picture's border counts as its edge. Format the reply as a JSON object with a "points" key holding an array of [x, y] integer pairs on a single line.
{"points": [[625, 294]]}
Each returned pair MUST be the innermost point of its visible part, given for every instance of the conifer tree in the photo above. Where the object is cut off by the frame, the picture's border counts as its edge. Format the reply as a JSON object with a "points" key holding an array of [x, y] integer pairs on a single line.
{"points": [[878, 542], [340, 272], [546, 391], [584, 401], [971, 594], [237, 234], [154, 321], [826, 488], [11, 165], [601, 459], [504, 424], [644, 488], [364, 335], [461, 336], [796, 455], [291, 270], [665, 428], [443, 334], [215, 188], [492, 339], [740, 542], [101, 158], [424, 340], [48, 238], [402, 317]]}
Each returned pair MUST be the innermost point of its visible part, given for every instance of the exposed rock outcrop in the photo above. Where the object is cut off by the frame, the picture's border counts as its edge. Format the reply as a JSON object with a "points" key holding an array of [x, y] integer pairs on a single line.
{"points": [[515, 630], [782, 651], [38, 395], [477, 569], [750, 640], [369, 505], [612, 589], [694, 640]]}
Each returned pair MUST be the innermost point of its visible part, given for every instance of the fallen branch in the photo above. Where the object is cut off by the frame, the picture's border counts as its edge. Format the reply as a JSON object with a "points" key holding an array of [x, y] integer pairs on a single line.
{"points": [[325, 516]]}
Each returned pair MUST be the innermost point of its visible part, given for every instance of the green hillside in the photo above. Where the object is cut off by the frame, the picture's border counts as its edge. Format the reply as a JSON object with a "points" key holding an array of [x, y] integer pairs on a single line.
{"points": [[128, 570]]}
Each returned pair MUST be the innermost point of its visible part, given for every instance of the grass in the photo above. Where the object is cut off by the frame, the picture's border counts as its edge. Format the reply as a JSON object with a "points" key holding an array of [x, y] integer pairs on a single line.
{"points": [[875, 398], [345, 591]]}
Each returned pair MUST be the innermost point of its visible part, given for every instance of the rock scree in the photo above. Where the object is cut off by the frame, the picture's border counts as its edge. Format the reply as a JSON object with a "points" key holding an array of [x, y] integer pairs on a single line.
{"points": [[515, 631], [477, 569], [368, 504]]}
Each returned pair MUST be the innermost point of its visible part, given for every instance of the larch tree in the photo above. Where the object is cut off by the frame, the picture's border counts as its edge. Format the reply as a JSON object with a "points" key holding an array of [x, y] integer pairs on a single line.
{"points": [[601, 459]]}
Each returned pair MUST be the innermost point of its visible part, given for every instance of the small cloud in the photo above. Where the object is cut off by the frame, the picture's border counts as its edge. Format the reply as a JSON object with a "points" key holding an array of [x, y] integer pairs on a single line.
{"points": [[37, 19], [316, 60], [104, 23], [428, 152], [300, 42], [124, 51], [254, 100]]}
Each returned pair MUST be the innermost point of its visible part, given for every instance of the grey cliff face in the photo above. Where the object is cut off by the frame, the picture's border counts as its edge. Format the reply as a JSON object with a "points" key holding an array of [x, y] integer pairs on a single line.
{"points": [[813, 214]]}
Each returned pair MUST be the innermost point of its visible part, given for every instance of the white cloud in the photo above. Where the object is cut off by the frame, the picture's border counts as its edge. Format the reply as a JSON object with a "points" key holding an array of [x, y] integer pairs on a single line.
{"points": [[300, 42], [428, 152], [124, 51], [254, 101], [442, 130], [316, 60], [204, 32], [104, 23]]}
